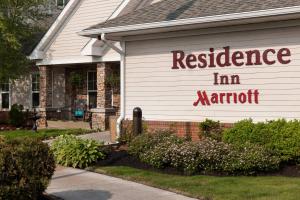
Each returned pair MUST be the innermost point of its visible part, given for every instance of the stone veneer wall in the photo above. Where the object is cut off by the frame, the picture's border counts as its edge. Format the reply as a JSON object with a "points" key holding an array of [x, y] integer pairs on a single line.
{"points": [[45, 93]]}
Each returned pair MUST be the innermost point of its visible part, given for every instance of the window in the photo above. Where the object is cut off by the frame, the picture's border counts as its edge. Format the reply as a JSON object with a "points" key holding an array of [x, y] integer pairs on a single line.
{"points": [[92, 89], [35, 90], [61, 3], [5, 95]]}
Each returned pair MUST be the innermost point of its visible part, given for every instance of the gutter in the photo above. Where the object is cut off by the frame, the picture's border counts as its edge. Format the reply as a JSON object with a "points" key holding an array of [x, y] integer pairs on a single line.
{"points": [[198, 20], [122, 53]]}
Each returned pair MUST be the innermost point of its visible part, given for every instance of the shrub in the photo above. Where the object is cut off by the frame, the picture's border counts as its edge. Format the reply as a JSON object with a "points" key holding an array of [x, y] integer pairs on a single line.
{"points": [[127, 131], [144, 142], [26, 166], [158, 151], [211, 129], [280, 136], [249, 160], [164, 149], [76, 152], [16, 115]]}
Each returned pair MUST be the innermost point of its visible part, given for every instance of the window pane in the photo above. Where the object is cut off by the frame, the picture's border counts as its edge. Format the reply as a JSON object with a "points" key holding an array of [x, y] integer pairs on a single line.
{"points": [[35, 100], [60, 2], [5, 87], [92, 100], [5, 100], [35, 82], [92, 81]]}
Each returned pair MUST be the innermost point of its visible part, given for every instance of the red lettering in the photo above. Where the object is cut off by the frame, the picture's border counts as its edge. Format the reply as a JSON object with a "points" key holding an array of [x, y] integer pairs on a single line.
{"points": [[202, 61], [190, 61], [237, 55], [265, 56], [250, 55], [178, 57], [202, 98], [284, 52], [224, 54]]}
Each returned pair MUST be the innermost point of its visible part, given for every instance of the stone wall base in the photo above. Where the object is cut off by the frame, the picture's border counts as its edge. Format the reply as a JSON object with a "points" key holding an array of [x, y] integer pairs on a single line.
{"points": [[42, 122], [181, 129], [100, 118]]}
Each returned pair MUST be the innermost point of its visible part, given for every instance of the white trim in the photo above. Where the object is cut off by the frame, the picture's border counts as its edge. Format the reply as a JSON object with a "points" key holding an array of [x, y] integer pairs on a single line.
{"points": [[119, 9], [9, 97], [94, 47], [122, 100], [34, 92], [38, 52], [191, 21], [79, 59], [87, 87]]}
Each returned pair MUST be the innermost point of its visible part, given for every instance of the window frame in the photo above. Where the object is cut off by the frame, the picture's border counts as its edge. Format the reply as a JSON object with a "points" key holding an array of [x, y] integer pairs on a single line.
{"points": [[64, 3], [88, 90], [9, 96], [35, 91]]}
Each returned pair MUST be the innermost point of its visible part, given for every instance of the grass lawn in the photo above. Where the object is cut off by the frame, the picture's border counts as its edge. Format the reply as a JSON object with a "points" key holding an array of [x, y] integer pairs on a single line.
{"points": [[43, 134], [210, 187]]}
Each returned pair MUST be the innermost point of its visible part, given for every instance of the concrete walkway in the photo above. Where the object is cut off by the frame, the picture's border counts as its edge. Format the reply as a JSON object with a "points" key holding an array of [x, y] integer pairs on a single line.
{"points": [[74, 184]]}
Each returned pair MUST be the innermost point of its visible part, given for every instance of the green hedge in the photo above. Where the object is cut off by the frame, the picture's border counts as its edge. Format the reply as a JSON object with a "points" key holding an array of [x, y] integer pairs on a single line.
{"points": [[280, 136], [163, 149], [71, 151], [26, 166]]}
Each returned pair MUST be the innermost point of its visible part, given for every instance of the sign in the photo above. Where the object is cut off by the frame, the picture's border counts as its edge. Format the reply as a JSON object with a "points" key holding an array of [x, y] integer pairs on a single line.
{"points": [[228, 58]]}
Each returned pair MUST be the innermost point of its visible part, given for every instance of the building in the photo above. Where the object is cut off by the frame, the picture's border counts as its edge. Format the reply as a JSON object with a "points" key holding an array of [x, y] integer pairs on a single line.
{"points": [[187, 60], [77, 73]]}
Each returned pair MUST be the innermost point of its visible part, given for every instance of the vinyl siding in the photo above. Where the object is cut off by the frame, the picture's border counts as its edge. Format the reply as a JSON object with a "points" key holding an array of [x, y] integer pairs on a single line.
{"points": [[68, 44], [168, 95]]}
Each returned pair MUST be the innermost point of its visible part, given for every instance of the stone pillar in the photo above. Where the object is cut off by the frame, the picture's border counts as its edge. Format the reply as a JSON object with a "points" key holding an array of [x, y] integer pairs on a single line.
{"points": [[45, 94], [100, 115]]}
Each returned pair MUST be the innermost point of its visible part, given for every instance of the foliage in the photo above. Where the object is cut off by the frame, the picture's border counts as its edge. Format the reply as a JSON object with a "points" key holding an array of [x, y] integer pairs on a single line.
{"points": [[164, 149], [16, 115], [148, 140], [76, 79], [19, 26], [43, 134], [211, 129], [280, 136], [26, 166], [113, 80], [127, 131], [76, 152]]}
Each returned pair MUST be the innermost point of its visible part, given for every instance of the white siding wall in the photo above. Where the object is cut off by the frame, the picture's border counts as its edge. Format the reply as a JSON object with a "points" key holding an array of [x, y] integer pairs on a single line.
{"points": [[68, 44], [168, 95]]}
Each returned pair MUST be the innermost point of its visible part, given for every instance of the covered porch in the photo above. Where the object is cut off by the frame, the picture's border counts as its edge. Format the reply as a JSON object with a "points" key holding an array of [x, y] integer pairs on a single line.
{"points": [[80, 92]]}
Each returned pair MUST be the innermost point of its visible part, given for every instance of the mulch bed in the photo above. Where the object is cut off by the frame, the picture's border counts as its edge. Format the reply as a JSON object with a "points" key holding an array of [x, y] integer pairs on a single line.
{"points": [[120, 157]]}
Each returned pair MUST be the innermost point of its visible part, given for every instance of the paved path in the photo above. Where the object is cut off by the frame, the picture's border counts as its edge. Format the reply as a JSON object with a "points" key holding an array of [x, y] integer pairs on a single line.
{"points": [[99, 136], [74, 184]]}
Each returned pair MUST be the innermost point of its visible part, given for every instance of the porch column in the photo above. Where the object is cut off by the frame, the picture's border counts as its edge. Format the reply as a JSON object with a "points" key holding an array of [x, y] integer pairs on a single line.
{"points": [[45, 94], [100, 115]]}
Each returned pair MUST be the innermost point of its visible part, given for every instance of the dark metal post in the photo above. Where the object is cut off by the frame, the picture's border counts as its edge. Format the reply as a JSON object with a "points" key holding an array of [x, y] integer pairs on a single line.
{"points": [[137, 121]]}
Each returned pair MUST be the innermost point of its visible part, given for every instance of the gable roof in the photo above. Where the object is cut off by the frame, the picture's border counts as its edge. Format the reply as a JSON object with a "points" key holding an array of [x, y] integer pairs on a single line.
{"points": [[174, 10], [124, 8]]}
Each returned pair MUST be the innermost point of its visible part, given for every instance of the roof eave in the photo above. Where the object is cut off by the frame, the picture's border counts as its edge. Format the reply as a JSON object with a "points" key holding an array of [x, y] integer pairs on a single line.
{"points": [[234, 18]]}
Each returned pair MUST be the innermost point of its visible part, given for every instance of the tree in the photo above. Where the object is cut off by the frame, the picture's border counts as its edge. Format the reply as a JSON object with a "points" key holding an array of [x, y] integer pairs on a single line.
{"points": [[20, 23]]}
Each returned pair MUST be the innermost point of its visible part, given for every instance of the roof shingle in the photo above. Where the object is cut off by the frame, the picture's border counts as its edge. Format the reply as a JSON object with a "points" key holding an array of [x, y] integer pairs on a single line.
{"points": [[168, 10]]}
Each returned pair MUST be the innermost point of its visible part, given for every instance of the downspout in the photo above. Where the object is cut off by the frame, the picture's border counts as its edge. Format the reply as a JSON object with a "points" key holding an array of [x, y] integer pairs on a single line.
{"points": [[122, 53]]}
